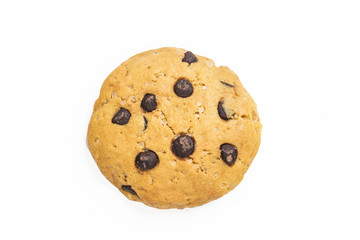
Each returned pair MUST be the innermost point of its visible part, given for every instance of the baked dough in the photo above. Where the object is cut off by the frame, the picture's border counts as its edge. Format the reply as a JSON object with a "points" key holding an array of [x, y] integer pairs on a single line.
{"points": [[172, 130]]}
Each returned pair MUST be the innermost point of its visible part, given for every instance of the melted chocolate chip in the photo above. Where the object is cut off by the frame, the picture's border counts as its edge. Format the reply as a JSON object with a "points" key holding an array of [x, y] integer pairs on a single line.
{"points": [[227, 84], [222, 112], [149, 103], [228, 153], [128, 188], [146, 160], [189, 57], [183, 88], [183, 146], [121, 117], [145, 123]]}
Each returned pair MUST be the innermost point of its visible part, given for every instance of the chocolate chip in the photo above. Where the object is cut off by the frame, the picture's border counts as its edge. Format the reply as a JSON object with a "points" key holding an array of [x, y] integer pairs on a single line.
{"points": [[146, 160], [228, 153], [189, 57], [183, 88], [222, 112], [121, 117], [227, 84], [148, 103], [128, 188], [183, 146], [145, 123]]}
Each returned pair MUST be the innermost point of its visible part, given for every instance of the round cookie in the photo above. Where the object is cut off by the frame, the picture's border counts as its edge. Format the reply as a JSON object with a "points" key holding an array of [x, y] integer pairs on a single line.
{"points": [[172, 130]]}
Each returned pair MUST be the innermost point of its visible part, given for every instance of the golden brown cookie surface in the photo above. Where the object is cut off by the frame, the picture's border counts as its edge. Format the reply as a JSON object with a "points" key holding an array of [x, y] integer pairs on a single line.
{"points": [[171, 130]]}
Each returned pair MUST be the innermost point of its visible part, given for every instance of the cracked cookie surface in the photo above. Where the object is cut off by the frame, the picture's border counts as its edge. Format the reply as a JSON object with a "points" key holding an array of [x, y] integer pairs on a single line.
{"points": [[172, 130]]}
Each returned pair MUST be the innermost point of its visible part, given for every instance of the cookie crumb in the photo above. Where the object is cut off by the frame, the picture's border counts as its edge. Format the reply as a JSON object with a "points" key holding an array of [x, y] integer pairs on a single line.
{"points": [[141, 144], [255, 116], [196, 166], [209, 63], [159, 74], [244, 116], [237, 90]]}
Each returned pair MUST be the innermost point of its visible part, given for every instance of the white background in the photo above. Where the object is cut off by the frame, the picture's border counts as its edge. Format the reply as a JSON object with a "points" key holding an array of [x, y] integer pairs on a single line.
{"points": [[300, 60]]}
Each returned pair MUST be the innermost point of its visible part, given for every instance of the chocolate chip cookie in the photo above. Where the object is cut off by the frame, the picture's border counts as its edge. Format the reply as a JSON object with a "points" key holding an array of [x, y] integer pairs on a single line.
{"points": [[172, 130]]}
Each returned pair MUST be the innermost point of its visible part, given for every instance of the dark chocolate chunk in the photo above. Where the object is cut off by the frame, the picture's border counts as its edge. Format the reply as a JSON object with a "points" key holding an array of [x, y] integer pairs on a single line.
{"points": [[145, 123], [189, 57], [227, 84], [183, 88], [228, 153], [183, 146], [121, 117], [222, 112], [146, 160], [149, 103], [128, 188]]}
